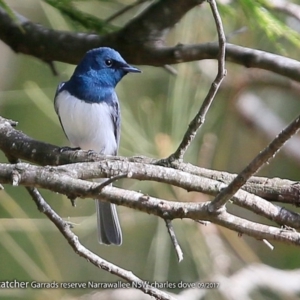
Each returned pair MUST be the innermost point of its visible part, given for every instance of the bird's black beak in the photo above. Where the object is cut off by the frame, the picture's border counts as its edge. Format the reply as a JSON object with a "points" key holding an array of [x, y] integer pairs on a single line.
{"points": [[131, 69]]}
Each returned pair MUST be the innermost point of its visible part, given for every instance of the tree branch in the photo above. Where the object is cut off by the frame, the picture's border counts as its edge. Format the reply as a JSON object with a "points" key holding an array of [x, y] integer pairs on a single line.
{"points": [[199, 119], [255, 165], [15, 143], [174, 240], [139, 171], [271, 189], [82, 251], [256, 276], [50, 45], [62, 182], [144, 31]]}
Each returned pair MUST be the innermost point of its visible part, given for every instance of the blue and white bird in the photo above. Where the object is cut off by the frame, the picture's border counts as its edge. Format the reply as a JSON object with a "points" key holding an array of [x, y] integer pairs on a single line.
{"points": [[88, 109]]}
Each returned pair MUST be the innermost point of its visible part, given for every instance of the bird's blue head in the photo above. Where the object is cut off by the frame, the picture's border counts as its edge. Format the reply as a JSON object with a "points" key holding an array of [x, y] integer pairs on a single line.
{"points": [[97, 74], [103, 66]]}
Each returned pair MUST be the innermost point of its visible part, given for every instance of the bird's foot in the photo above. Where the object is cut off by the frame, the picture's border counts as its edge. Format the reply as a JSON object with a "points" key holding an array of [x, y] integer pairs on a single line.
{"points": [[91, 152]]}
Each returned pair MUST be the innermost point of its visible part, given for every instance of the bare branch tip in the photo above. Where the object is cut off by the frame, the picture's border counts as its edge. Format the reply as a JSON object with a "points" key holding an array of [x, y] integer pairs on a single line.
{"points": [[16, 178], [73, 202], [174, 240], [171, 70], [268, 244], [52, 68]]}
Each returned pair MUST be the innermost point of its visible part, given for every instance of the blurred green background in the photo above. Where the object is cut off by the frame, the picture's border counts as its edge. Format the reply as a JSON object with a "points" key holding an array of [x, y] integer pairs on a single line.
{"points": [[156, 110]]}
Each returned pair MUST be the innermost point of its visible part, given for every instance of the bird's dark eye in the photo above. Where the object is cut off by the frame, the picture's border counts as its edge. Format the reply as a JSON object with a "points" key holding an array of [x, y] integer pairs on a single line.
{"points": [[108, 62]]}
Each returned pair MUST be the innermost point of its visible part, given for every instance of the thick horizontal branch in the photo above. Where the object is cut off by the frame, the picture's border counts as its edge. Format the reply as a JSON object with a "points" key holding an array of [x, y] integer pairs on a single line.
{"points": [[45, 177], [145, 31], [140, 171], [247, 57], [199, 211], [68, 179], [15, 143], [138, 42], [61, 182]]}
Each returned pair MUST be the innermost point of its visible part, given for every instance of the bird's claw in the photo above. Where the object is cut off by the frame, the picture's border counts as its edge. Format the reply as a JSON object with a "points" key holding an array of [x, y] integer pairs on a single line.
{"points": [[63, 149]]}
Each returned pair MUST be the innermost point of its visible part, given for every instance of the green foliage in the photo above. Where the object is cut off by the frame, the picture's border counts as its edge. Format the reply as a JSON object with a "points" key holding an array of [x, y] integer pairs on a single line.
{"points": [[86, 21], [7, 8], [10, 12], [260, 16]]}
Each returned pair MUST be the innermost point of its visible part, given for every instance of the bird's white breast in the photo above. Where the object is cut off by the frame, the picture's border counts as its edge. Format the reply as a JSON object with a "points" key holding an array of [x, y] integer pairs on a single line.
{"points": [[87, 125]]}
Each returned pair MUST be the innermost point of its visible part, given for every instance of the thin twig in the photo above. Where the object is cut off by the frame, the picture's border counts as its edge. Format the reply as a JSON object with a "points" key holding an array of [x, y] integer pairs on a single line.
{"points": [[82, 251], [268, 244], [107, 182], [255, 165], [174, 240], [52, 67], [124, 10], [171, 70], [200, 117]]}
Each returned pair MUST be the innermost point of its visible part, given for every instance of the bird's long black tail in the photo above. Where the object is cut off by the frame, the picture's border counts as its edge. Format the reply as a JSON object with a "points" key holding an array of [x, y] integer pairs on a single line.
{"points": [[109, 230]]}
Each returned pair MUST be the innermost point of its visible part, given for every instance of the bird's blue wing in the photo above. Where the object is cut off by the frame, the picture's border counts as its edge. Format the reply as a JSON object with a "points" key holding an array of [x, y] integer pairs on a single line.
{"points": [[116, 119], [59, 88]]}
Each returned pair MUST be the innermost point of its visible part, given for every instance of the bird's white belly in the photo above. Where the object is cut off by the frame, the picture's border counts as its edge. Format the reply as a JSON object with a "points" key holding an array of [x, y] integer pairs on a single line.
{"points": [[87, 125]]}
